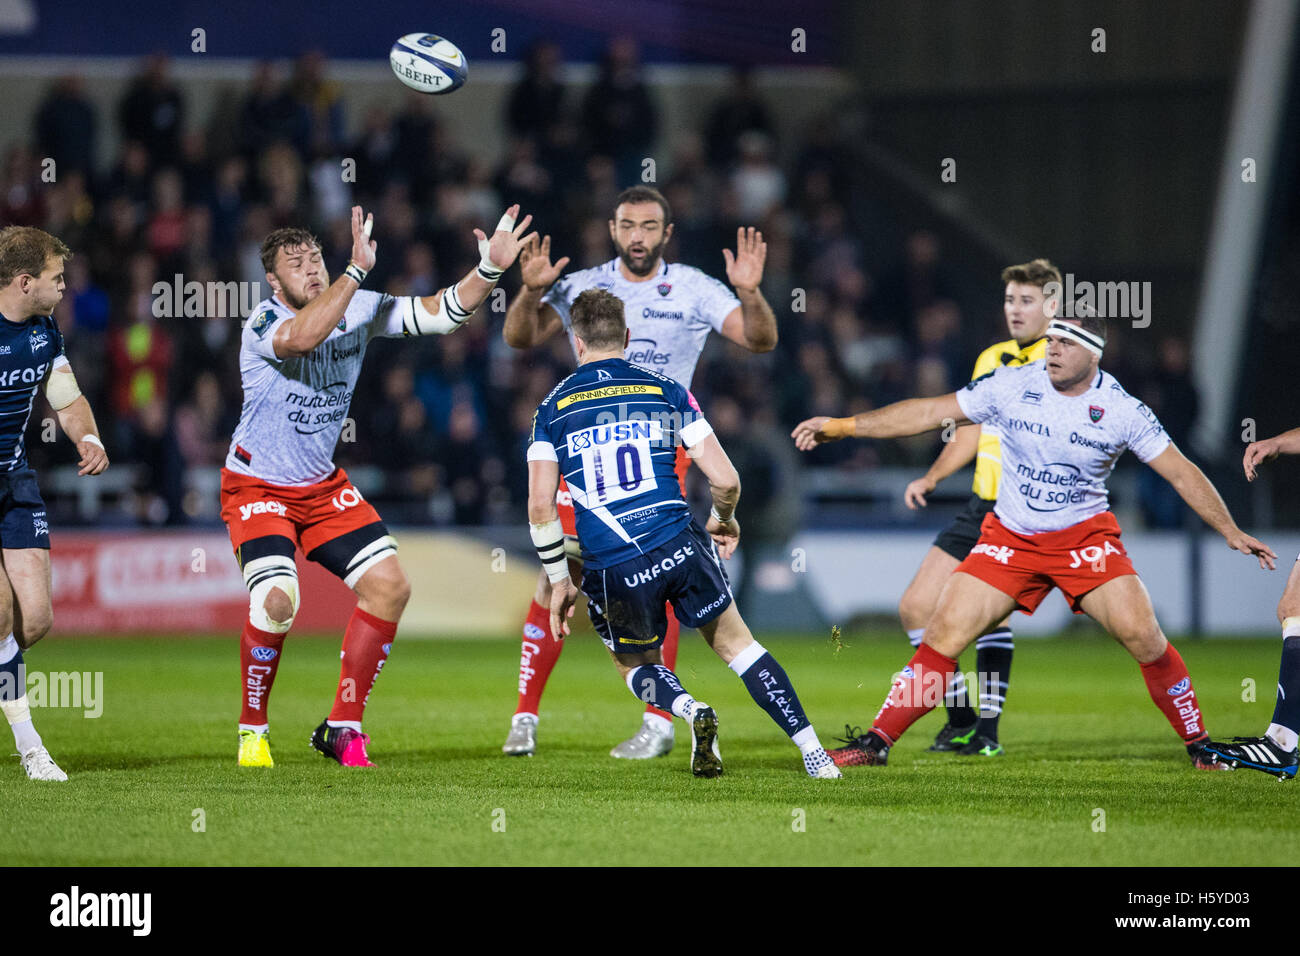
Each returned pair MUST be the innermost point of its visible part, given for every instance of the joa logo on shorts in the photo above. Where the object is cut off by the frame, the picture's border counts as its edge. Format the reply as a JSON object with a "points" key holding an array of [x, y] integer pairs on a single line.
{"points": [[1093, 554], [263, 653]]}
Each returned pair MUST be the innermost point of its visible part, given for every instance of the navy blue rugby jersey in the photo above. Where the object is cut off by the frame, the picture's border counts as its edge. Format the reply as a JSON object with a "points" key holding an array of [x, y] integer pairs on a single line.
{"points": [[614, 428], [29, 351]]}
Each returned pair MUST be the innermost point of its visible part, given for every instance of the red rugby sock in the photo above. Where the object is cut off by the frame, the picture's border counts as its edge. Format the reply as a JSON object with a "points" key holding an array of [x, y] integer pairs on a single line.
{"points": [[537, 658], [916, 691], [671, 635], [1171, 688], [259, 658], [366, 644]]}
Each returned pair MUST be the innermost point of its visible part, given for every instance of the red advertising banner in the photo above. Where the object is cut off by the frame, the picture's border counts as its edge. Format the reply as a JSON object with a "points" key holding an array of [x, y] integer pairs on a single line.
{"points": [[153, 582]]}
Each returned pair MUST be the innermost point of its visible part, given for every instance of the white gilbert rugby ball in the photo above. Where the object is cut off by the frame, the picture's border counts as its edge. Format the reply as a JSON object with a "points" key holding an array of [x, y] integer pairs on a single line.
{"points": [[428, 63]]}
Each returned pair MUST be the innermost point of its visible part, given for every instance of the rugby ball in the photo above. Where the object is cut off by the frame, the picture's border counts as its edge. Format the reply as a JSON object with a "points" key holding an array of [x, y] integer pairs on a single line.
{"points": [[428, 63]]}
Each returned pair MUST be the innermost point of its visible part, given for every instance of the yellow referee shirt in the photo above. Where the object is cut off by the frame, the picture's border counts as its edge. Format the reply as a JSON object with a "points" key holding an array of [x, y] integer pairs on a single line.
{"points": [[988, 460]]}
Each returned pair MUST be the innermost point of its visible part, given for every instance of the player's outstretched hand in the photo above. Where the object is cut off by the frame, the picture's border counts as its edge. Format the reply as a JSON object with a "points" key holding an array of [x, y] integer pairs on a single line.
{"points": [[563, 596], [914, 494], [808, 434], [1240, 541], [535, 263], [745, 268], [725, 534], [363, 247], [1256, 452], [503, 248], [94, 460]]}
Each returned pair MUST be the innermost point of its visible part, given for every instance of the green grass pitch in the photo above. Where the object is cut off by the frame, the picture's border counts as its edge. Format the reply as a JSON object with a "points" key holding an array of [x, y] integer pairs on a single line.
{"points": [[1082, 736]]}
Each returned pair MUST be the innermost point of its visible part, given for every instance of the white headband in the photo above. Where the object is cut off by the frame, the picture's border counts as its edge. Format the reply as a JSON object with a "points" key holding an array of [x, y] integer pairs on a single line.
{"points": [[1089, 341]]}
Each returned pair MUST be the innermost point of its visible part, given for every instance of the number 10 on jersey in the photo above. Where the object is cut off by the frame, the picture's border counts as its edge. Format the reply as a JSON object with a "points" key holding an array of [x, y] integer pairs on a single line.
{"points": [[616, 461]]}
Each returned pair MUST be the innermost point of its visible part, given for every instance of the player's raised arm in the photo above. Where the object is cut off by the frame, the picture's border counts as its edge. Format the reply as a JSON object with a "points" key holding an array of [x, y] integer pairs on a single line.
{"points": [[899, 420], [1203, 498], [548, 539], [530, 321], [1287, 443], [76, 419], [314, 321], [450, 308], [956, 454], [753, 325]]}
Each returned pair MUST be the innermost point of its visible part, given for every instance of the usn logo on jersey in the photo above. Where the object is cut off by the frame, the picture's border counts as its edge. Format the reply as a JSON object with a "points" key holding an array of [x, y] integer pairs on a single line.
{"points": [[617, 433]]}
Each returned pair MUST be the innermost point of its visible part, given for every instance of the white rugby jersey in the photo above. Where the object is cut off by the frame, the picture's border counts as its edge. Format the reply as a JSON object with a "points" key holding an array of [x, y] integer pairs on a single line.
{"points": [[294, 408], [669, 315], [1058, 450]]}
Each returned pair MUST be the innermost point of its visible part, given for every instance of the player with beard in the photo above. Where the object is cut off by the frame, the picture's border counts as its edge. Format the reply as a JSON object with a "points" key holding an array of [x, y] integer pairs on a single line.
{"points": [[300, 354], [1063, 423], [670, 309]]}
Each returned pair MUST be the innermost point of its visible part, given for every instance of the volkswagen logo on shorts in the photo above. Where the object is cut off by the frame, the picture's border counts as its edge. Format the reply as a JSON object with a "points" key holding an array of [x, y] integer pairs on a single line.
{"points": [[1180, 687], [263, 653]]}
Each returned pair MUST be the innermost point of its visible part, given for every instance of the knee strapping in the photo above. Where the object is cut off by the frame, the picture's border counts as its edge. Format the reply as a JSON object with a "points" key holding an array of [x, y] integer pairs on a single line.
{"points": [[262, 575]]}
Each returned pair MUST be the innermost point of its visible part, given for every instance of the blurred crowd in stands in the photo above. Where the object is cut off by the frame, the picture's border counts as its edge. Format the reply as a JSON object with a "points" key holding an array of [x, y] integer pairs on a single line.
{"points": [[445, 418]]}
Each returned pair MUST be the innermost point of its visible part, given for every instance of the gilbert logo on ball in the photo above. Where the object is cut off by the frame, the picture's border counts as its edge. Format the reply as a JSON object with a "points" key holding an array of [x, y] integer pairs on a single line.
{"points": [[428, 63]]}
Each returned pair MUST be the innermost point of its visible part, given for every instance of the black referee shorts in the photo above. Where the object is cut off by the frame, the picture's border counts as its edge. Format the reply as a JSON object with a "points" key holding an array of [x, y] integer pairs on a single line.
{"points": [[959, 537]]}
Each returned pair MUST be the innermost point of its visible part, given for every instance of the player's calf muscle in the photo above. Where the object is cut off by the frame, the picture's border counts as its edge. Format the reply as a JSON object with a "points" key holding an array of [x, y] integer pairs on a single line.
{"points": [[728, 635], [30, 626], [1143, 639]]}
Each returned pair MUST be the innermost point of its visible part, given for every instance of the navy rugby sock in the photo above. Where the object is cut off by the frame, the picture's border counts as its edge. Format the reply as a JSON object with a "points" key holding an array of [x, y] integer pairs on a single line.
{"points": [[769, 685], [657, 685]]}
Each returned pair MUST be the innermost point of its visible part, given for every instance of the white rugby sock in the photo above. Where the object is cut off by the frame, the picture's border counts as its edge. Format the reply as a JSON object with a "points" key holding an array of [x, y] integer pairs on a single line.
{"points": [[806, 740], [20, 722], [17, 712], [1284, 737], [914, 636], [684, 706]]}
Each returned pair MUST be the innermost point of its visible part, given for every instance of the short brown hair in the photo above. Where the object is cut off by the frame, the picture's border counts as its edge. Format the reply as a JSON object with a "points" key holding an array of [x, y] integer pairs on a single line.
{"points": [[290, 237], [24, 250], [596, 317], [1037, 272], [1088, 320], [638, 194]]}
